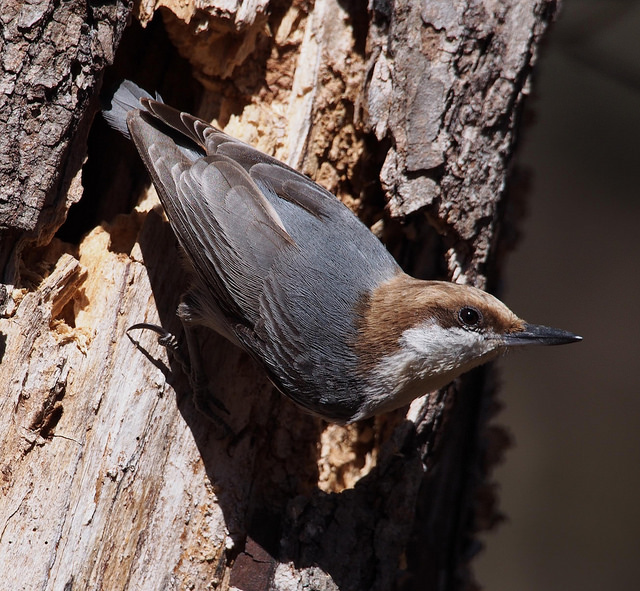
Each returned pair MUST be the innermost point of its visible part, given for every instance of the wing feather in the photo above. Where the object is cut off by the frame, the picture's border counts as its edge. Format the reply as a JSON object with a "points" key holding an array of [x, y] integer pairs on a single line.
{"points": [[228, 229]]}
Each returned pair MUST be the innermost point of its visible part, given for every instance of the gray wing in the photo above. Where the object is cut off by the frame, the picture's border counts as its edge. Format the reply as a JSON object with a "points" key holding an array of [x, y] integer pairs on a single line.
{"points": [[228, 229]]}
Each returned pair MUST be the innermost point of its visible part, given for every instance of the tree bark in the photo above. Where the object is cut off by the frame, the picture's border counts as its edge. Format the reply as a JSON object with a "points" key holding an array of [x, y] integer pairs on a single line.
{"points": [[110, 478]]}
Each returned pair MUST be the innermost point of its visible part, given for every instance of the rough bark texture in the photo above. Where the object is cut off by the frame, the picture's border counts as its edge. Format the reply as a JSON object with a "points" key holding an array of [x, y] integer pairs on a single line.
{"points": [[53, 55], [110, 478]]}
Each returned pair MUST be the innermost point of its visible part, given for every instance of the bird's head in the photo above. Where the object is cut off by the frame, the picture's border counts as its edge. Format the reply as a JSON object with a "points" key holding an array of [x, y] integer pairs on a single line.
{"points": [[417, 336]]}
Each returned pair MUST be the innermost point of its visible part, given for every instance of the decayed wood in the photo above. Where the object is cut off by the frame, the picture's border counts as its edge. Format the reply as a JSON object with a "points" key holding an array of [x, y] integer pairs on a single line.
{"points": [[109, 477], [227, 30]]}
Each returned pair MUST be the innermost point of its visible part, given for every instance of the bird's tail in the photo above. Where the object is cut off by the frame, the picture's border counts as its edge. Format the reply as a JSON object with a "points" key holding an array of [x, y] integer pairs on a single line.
{"points": [[126, 98]]}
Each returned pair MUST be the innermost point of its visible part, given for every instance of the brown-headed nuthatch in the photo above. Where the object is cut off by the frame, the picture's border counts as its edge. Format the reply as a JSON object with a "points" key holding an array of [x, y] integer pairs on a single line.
{"points": [[284, 270]]}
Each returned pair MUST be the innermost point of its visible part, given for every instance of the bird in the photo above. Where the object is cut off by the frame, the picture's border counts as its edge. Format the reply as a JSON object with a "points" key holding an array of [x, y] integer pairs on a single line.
{"points": [[281, 268]]}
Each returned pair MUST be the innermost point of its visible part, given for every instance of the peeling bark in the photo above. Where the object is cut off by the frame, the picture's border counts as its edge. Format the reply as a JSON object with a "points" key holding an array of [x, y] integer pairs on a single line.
{"points": [[110, 478]]}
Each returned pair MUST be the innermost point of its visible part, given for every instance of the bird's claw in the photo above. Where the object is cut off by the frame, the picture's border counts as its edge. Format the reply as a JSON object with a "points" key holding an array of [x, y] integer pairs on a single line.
{"points": [[203, 399]]}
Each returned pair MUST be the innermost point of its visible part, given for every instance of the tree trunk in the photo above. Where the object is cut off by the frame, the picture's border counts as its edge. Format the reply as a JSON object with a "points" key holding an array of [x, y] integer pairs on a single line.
{"points": [[110, 478]]}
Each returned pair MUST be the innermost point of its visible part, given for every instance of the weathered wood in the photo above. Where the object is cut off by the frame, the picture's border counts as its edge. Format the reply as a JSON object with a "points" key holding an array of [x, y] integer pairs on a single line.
{"points": [[447, 84], [52, 58], [110, 478]]}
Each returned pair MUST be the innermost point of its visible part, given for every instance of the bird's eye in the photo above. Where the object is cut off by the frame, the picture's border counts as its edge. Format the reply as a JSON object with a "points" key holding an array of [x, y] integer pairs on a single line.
{"points": [[470, 317]]}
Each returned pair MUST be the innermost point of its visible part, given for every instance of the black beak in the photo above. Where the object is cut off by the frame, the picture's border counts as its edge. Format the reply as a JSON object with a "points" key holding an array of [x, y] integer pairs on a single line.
{"points": [[534, 334]]}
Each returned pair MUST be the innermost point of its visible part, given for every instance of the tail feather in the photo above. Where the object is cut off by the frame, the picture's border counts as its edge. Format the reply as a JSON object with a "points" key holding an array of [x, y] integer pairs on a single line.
{"points": [[126, 98]]}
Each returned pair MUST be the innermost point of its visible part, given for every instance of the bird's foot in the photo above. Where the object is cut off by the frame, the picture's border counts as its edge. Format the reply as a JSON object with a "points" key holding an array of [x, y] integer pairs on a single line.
{"points": [[206, 403]]}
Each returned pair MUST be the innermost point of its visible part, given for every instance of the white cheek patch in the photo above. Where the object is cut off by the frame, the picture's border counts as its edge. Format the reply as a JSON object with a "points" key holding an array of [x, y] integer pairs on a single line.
{"points": [[441, 350], [429, 357]]}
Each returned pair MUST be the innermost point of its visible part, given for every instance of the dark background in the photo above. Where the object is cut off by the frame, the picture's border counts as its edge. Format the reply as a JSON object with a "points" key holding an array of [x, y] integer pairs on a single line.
{"points": [[571, 484]]}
